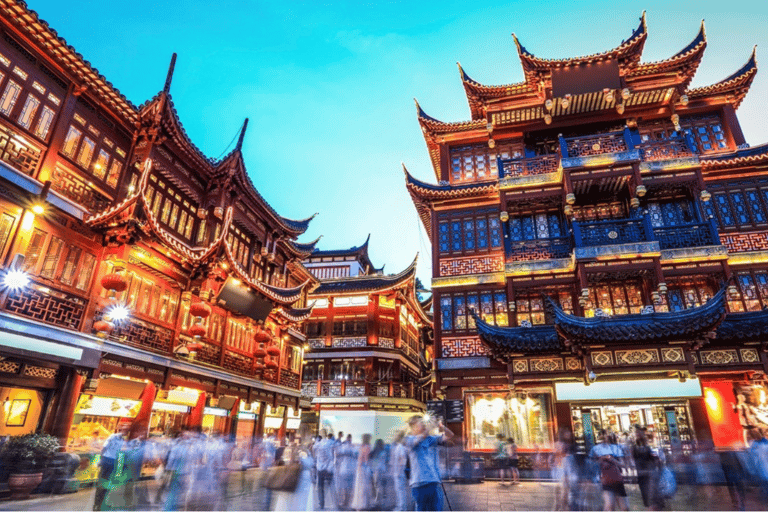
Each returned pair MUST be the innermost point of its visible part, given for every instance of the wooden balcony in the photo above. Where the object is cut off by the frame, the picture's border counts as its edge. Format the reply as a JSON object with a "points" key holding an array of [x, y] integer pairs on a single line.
{"points": [[16, 151], [78, 190], [540, 249], [654, 150], [45, 304], [361, 388], [524, 172], [612, 232], [598, 150], [699, 234]]}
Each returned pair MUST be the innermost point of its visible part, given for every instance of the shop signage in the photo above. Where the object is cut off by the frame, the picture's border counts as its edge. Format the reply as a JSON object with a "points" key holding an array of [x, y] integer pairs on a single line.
{"points": [[246, 416], [454, 411], [436, 408], [627, 389], [216, 411]]}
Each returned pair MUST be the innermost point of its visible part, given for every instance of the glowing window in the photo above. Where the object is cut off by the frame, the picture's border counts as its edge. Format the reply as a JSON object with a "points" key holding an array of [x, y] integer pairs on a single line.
{"points": [[114, 173], [70, 142], [44, 123], [8, 100], [28, 112], [100, 167], [86, 152]]}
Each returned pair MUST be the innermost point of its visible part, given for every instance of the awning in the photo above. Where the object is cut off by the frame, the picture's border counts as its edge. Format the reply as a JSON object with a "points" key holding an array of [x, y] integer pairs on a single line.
{"points": [[627, 390]]}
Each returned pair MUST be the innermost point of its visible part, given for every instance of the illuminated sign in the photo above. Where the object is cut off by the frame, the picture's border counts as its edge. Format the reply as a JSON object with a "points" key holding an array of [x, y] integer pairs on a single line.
{"points": [[246, 416], [627, 389], [165, 406], [216, 411]]}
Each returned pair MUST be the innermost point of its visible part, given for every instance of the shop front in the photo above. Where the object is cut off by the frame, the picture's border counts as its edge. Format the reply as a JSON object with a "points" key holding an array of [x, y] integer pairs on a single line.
{"points": [[667, 408], [737, 409]]}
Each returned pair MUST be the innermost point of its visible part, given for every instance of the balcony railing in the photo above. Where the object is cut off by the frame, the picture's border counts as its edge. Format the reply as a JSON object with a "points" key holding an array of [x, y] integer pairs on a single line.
{"points": [[142, 334], [688, 235], [544, 164], [358, 388], [540, 249], [47, 305], [15, 150], [612, 232], [600, 144], [78, 190], [654, 150]]}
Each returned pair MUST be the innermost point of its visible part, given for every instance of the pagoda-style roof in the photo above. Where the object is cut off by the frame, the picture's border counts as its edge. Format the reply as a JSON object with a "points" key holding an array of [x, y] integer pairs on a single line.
{"points": [[684, 63], [740, 157], [735, 87], [300, 250], [28, 22], [368, 284], [628, 54], [750, 326], [478, 94], [359, 253], [638, 328], [506, 341], [423, 193], [295, 314]]}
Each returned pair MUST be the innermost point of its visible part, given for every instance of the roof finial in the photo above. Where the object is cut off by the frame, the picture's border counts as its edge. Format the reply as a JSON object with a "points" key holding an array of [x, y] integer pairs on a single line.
{"points": [[169, 77], [242, 135]]}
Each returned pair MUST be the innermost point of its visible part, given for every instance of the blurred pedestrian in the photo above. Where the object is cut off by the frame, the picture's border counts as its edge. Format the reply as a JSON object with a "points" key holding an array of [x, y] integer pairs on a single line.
{"points": [[422, 455], [346, 455], [398, 462], [112, 449], [324, 462], [513, 459], [379, 461], [363, 492], [610, 459], [648, 467], [501, 458]]}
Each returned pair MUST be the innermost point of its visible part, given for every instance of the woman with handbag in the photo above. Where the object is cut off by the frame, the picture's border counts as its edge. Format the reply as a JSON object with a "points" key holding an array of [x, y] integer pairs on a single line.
{"points": [[648, 466], [292, 482], [610, 459]]}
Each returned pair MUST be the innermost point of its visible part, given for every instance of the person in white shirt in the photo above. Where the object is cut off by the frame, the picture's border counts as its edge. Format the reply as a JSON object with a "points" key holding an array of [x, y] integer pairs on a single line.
{"points": [[109, 453], [399, 460], [610, 459]]}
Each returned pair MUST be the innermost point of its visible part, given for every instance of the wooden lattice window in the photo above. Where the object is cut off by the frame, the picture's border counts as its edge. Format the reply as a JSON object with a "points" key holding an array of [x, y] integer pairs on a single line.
{"points": [[753, 291], [470, 232], [706, 132], [619, 298], [742, 204], [58, 259], [478, 162], [455, 309]]}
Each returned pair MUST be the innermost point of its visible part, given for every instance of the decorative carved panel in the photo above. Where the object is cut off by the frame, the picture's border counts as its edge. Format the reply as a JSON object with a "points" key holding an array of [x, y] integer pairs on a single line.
{"points": [[143, 334], [643, 356], [520, 366], [289, 379], [572, 363], [463, 347], [386, 343], [749, 355], [53, 307], [350, 342], [602, 358], [719, 356], [40, 372], [672, 355], [546, 364]]}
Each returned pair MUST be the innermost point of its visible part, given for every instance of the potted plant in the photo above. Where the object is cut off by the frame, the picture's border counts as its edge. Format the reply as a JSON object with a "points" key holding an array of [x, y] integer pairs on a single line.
{"points": [[25, 456]]}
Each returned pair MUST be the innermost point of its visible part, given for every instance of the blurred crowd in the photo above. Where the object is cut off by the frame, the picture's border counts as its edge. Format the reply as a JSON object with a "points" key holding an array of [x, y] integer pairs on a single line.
{"points": [[194, 471]]}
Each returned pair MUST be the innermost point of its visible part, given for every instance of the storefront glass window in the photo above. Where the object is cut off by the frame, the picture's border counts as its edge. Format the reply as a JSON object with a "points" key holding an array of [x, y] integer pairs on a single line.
{"points": [[525, 417]]}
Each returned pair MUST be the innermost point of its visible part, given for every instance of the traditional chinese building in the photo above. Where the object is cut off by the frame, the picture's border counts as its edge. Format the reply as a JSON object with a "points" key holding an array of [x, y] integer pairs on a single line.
{"points": [[369, 365], [142, 279], [599, 241]]}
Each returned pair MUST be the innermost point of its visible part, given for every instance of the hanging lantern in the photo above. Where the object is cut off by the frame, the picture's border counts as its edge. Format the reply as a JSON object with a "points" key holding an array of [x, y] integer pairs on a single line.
{"points": [[114, 282], [489, 127], [641, 190], [625, 93], [260, 351], [568, 210], [259, 367], [620, 108], [634, 202], [608, 95], [504, 216], [273, 350], [103, 328], [565, 102], [705, 195], [547, 119], [271, 364], [655, 297], [200, 309], [197, 330], [261, 335], [663, 288], [684, 99], [570, 198], [733, 291], [549, 104], [491, 143], [676, 121]]}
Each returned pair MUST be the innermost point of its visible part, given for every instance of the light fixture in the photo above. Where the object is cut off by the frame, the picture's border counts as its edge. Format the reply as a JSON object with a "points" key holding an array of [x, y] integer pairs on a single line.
{"points": [[565, 102], [16, 279], [504, 216], [641, 190], [570, 198], [684, 99], [38, 209], [676, 121], [634, 202], [489, 127], [547, 119], [608, 95], [131, 188], [549, 104], [491, 143], [620, 108], [625, 93], [118, 313], [705, 195]]}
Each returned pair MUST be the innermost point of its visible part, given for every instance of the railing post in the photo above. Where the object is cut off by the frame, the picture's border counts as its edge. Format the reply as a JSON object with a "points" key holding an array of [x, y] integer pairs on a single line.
{"points": [[649, 234], [500, 166], [577, 233], [713, 231], [563, 146], [690, 142], [628, 139]]}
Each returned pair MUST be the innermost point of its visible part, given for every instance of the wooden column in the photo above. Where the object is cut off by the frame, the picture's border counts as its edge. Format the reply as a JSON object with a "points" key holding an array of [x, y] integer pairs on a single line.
{"points": [[700, 420], [259, 430], [65, 410]]}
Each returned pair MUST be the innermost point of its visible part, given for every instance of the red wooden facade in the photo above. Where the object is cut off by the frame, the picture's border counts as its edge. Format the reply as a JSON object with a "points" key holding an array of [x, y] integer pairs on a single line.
{"points": [[605, 188], [93, 186]]}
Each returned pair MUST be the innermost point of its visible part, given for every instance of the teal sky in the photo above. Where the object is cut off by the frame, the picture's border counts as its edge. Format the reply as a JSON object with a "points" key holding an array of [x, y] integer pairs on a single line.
{"points": [[329, 86]]}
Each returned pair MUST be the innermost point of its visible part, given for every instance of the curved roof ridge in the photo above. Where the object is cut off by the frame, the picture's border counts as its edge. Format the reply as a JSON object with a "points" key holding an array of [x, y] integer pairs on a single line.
{"points": [[392, 278], [742, 156], [689, 50], [211, 162], [626, 48], [478, 93], [432, 125], [738, 82], [504, 341]]}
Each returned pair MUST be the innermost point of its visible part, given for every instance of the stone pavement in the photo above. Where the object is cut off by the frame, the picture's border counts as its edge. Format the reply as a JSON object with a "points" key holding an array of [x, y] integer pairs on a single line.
{"points": [[490, 495]]}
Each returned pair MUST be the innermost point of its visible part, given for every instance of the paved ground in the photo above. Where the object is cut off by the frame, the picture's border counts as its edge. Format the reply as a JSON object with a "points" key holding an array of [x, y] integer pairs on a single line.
{"points": [[491, 495]]}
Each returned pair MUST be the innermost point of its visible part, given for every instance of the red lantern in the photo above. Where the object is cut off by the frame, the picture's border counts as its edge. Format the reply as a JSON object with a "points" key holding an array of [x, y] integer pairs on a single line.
{"points": [[261, 336], [260, 352], [197, 330], [258, 367], [114, 282], [273, 350], [200, 309], [194, 347], [271, 363], [103, 326]]}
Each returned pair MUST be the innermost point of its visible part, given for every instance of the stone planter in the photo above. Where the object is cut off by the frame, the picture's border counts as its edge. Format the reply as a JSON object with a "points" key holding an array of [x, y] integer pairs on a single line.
{"points": [[21, 485]]}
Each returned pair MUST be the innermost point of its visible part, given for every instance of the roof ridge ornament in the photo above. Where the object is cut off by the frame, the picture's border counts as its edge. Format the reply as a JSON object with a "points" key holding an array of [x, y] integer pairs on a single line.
{"points": [[239, 145], [169, 76]]}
